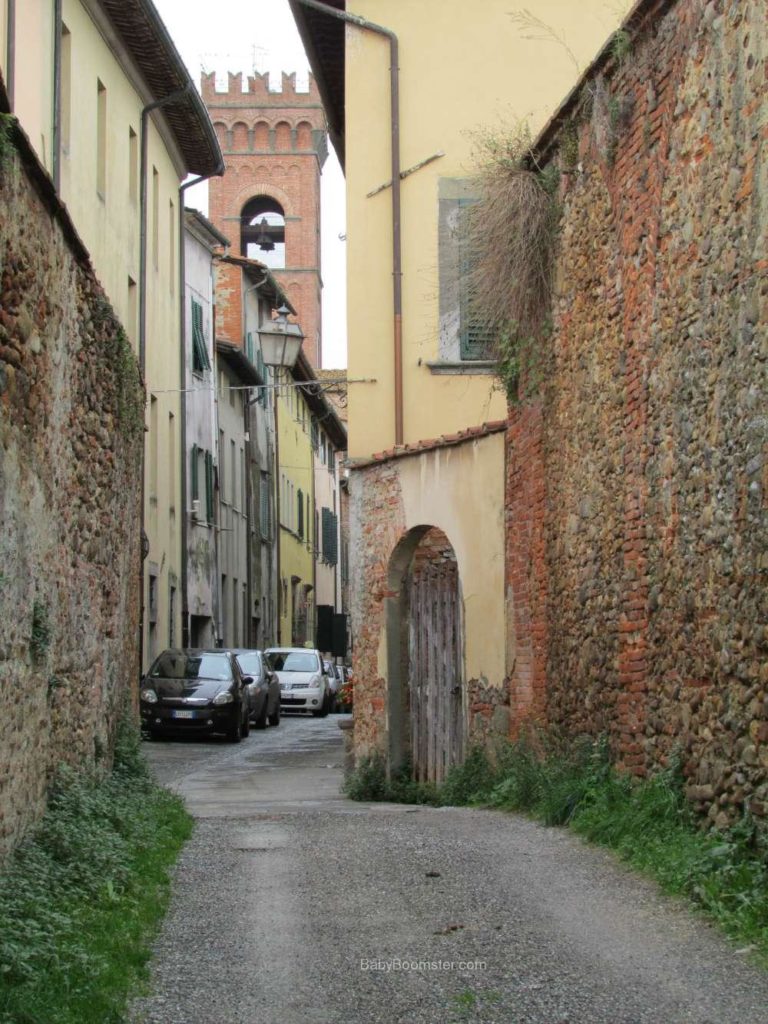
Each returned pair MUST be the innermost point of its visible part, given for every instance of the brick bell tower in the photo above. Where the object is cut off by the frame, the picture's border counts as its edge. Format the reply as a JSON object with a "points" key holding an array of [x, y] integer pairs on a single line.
{"points": [[268, 200]]}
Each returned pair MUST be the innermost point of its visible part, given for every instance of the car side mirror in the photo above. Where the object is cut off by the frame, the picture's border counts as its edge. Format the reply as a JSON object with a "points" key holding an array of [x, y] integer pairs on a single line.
{"points": [[247, 680]]}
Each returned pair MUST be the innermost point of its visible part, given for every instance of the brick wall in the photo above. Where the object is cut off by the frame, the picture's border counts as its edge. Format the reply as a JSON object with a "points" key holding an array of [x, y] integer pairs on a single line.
{"points": [[71, 432], [637, 488]]}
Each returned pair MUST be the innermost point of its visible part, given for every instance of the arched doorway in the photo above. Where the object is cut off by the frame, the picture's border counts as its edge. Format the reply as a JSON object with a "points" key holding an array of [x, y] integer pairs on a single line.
{"points": [[427, 691]]}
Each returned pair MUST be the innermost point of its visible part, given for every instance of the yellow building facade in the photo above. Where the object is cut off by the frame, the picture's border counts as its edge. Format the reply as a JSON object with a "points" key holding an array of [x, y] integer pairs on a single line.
{"points": [[296, 503], [426, 455], [113, 116]]}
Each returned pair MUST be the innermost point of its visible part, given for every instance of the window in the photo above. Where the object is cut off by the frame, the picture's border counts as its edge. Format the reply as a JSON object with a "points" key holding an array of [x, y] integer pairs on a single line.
{"points": [[66, 87], [463, 336], [264, 506], [153, 445], [101, 139], [200, 360], [222, 474], [300, 513], [133, 310], [330, 541], [171, 616], [194, 484], [209, 486], [172, 246], [171, 457], [242, 482], [133, 166], [262, 231], [233, 470], [155, 217]]}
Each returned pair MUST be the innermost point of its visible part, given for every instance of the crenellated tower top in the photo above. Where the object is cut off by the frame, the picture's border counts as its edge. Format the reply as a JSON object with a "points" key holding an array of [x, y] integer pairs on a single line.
{"points": [[257, 90]]}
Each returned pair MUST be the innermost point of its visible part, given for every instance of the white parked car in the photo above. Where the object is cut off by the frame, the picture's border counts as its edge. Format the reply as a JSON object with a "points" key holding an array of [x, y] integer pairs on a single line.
{"points": [[303, 680]]}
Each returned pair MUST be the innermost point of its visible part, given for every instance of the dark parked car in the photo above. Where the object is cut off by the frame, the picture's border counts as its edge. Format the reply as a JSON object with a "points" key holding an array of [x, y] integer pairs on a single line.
{"points": [[264, 691], [197, 693], [335, 681]]}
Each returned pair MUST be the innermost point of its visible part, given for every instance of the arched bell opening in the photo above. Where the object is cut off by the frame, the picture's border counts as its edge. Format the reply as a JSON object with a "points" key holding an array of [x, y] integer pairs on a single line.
{"points": [[425, 665], [262, 231]]}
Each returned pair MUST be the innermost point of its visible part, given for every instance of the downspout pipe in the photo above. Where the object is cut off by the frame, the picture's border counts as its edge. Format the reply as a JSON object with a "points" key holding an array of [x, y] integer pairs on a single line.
{"points": [[397, 259], [148, 109], [56, 146], [10, 51], [183, 355]]}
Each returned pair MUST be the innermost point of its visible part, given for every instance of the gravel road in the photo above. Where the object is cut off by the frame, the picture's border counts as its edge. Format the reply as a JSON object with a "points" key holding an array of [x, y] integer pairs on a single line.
{"points": [[292, 905]]}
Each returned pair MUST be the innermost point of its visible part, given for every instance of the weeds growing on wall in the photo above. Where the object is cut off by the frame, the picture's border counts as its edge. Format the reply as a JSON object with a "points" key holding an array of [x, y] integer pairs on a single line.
{"points": [[41, 633], [7, 145], [81, 898], [647, 822], [512, 231]]}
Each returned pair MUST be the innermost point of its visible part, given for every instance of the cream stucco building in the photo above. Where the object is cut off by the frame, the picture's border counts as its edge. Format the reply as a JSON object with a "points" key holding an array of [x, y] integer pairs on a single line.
{"points": [[109, 107]]}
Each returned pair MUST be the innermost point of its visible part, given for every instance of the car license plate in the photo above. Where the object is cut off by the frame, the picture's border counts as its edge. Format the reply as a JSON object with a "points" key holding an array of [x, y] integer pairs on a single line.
{"points": [[183, 714]]}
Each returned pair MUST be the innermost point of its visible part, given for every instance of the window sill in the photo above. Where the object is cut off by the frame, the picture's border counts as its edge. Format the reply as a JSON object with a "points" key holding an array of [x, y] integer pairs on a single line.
{"points": [[463, 367]]}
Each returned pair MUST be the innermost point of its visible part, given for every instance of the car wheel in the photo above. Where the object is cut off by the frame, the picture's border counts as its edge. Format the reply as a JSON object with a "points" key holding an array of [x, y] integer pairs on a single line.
{"points": [[332, 704], [261, 721], [325, 708], [235, 732], [246, 725], [274, 719]]}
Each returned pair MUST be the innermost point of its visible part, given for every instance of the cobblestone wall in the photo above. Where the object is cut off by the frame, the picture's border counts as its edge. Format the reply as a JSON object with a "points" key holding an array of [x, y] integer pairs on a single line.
{"points": [[654, 432], [71, 431]]}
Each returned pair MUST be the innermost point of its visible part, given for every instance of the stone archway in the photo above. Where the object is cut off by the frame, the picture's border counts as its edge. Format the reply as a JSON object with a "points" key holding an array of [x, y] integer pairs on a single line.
{"points": [[427, 711]]}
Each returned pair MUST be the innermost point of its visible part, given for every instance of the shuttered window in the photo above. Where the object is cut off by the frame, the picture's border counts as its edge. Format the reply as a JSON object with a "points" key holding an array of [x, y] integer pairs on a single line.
{"points": [[475, 336], [330, 541], [209, 486], [200, 360]]}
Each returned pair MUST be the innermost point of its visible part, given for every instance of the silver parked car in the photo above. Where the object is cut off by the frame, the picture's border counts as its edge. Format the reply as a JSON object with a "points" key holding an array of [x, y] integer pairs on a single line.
{"points": [[263, 691], [303, 680]]}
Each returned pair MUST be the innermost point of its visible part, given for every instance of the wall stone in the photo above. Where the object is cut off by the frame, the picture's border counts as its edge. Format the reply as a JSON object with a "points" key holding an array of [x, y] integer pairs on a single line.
{"points": [[71, 433], [652, 439]]}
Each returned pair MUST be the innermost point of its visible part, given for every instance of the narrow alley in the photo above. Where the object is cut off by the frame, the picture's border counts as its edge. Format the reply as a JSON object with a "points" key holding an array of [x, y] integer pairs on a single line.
{"points": [[292, 904]]}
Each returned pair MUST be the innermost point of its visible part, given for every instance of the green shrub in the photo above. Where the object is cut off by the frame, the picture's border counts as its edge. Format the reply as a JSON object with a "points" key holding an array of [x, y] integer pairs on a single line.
{"points": [[80, 899]]}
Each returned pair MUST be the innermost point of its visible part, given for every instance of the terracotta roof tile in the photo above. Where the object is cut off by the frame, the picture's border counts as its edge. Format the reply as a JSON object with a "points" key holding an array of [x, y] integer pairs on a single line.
{"points": [[430, 444]]}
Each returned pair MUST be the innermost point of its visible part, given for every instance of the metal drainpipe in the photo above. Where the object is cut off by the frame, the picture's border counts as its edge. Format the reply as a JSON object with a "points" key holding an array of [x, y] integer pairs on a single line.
{"points": [[183, 379], [278, 566], [397, 261], [171, 98], [56, 146], [10, 51]]}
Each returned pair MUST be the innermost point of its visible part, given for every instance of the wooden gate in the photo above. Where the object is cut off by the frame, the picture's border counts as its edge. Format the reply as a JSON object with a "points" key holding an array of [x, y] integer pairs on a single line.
{"points": [[436, 688]]}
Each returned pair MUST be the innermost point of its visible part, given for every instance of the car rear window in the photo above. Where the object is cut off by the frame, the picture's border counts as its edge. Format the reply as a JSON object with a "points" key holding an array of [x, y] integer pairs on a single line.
{"points": [[178, 665], [294, 661]]}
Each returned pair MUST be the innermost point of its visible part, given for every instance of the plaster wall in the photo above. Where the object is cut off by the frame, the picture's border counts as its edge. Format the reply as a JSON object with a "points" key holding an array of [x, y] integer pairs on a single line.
{"points": [[458, 73]]}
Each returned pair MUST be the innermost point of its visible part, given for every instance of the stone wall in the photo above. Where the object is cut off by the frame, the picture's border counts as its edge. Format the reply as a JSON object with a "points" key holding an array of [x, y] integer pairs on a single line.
{"points": [[647, 546], [71, 432]]}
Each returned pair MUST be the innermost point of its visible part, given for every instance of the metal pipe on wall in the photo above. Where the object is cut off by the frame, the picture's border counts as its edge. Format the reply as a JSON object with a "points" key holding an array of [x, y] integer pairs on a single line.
{"points": [[397, 260], [10, 52]]}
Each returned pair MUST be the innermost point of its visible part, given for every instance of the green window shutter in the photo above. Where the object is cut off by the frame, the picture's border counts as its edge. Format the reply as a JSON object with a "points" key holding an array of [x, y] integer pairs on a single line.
{"points": [[193, 481], [209, 486], [330, 545], [475, 336], [300, 509], [315, 435], [200, 360]]}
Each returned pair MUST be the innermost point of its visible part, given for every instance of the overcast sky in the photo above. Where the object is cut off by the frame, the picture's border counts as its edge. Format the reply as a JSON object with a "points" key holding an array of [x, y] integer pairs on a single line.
{"points": [[243, 35]]}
